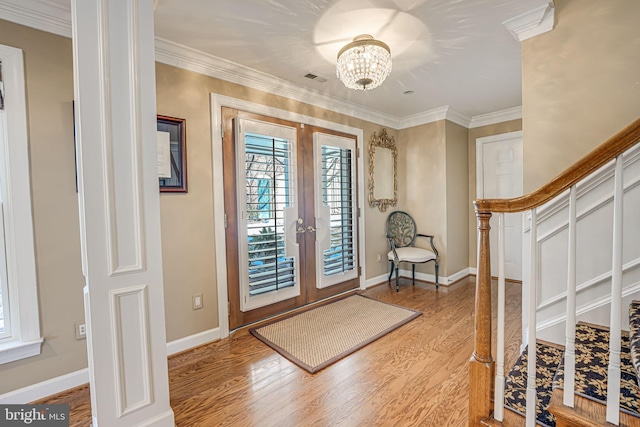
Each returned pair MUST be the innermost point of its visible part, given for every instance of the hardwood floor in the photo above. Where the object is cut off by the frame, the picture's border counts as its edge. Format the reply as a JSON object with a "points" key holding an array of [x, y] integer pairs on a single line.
{"points": [[416, 375]]}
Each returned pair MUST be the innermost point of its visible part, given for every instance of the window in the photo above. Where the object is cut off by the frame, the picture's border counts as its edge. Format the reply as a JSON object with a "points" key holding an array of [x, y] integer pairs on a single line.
{"points": [[19, 314], [337, 194], [5, 317], [267, 163]]}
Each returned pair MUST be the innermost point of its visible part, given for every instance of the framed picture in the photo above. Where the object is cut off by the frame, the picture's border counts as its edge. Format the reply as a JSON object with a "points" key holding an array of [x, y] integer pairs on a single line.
{"points": [[172, 155]]}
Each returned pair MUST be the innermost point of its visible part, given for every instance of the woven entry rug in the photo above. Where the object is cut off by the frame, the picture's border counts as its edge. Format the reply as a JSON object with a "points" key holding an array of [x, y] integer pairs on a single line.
{"points": [[321, 336]]}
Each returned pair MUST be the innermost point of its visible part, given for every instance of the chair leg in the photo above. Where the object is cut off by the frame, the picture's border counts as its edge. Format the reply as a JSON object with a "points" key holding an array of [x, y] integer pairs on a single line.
{"points": [[397, 279], [391, 272], [437, 275], [413, 277]]}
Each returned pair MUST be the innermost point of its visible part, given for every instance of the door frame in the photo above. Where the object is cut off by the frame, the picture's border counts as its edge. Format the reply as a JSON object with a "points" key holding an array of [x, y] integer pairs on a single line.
{"points": [[219, 101]]}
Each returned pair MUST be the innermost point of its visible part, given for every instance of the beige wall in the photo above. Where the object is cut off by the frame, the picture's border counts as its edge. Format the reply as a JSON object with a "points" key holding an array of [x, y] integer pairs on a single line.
{"points": [[375, 221], [48, 68], [421, 183], [433, 188], [581, 84], [457, 181], [475, 133], [187, 219]]}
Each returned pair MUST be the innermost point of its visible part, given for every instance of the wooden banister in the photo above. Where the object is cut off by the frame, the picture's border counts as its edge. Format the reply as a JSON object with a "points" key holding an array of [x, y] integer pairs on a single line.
{"points": [[481, 368], [592, 161]]}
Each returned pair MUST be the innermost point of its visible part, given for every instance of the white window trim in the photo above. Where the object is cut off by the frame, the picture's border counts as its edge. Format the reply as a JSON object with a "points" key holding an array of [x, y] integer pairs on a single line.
{"points": [[15, 190]]}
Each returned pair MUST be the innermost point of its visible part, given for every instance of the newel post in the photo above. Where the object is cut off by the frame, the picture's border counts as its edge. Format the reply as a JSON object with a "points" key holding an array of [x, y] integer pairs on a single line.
{"points": [[481, 366]]}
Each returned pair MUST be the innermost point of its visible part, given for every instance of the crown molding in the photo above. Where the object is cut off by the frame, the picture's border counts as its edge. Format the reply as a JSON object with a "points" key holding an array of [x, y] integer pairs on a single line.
{"points": [[423, 118], [458, 117], [442, 113], [496, 117], [184, 57], [46, 17], [51, 18], [38, 15], [533, 23]]}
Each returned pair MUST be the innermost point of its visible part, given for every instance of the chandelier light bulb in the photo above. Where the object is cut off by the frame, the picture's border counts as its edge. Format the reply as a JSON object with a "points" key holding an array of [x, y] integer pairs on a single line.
{"points": [[364, 63]]}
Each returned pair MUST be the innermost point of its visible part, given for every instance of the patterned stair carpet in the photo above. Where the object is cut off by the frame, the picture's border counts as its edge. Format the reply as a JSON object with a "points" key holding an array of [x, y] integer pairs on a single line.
{"points": [[592, 364], [634, 334], [548, 360]]}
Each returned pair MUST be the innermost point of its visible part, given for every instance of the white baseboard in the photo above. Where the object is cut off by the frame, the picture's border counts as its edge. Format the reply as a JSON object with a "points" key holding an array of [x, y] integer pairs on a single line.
{"points": [[46, 388], [376, 280], [75, 379], [444, 281], [192, 341], [459, 275]]}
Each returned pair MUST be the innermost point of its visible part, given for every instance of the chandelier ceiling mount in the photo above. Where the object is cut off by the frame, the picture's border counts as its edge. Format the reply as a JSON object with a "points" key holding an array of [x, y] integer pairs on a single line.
{"points": [[364, 63]]}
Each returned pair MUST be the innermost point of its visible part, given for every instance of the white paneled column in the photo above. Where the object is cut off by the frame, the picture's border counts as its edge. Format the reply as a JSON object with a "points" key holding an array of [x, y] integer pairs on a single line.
{"points": [[115, 107]]}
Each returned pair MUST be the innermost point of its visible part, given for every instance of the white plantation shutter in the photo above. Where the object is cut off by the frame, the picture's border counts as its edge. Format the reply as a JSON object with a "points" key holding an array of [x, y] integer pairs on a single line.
{"points": [[335, 209], [267, 212]]}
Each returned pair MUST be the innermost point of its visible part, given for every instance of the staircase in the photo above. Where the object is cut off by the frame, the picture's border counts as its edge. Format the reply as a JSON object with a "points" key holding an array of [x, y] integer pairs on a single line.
{"points": [[592, 361], [588, 379]]}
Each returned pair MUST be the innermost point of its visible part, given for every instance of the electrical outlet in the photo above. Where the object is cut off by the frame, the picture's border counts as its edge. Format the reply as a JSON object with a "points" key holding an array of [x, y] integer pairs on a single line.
{"points": [[197, 301], [81, 330], [379, 257]]}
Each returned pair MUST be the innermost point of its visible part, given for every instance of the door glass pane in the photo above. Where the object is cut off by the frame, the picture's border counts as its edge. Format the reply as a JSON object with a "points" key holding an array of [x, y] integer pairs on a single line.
{"points": [[337, 195], [268, 182]]}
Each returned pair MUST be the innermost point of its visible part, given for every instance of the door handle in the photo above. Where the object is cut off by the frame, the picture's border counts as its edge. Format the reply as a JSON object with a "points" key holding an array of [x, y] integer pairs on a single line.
{"points": [[300, 230], [311, 229]]}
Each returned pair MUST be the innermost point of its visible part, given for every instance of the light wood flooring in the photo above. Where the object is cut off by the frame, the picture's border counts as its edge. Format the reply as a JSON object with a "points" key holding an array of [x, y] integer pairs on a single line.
{"points": [[416, 375]]}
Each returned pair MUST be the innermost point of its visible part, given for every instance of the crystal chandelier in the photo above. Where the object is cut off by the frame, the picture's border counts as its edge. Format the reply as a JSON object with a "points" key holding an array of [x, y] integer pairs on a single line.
{"points": [[364, 63]]}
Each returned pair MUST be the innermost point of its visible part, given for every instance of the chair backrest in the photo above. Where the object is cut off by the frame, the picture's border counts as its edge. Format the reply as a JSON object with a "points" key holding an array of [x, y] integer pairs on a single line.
{"points": [[401, 228]]}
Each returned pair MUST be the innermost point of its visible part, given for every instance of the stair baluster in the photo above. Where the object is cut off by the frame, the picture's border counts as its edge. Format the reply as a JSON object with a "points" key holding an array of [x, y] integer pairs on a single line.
{"points": [[498, 411], [613, 379], [482, 366], [570, 330], [531, 335]]}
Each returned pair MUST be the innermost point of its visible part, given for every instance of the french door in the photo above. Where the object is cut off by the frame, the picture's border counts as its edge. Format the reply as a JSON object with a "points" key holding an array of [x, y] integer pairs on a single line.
{"points": [[291, 216]]}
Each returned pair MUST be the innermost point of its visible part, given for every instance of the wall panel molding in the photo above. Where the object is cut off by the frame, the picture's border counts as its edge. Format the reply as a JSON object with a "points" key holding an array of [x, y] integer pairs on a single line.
{"points": [[132, 342]]}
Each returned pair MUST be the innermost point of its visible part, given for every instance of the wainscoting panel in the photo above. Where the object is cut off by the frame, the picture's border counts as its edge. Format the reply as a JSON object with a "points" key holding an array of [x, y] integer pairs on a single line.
{"points": [[594, 249], [130, 317]]}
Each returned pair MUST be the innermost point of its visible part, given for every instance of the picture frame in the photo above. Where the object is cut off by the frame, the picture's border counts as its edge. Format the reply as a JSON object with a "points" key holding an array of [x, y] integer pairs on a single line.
{"points": [[172, 154]]}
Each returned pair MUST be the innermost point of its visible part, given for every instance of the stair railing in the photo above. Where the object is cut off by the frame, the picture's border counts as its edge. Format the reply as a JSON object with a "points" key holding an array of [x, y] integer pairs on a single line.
{"points": [[482, 382]]}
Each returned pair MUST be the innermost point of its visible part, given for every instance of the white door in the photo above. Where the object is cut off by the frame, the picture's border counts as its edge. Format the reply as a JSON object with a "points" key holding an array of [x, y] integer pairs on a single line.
{"points": [[499, 176]]}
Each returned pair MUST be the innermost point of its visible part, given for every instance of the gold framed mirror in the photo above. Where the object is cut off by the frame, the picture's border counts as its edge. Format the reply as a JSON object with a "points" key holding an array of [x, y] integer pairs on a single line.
{"points": [[383, 164]]}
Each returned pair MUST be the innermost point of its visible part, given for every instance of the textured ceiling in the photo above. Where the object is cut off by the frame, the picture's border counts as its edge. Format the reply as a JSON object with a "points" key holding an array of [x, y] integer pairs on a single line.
{"points": [[451, 53]]}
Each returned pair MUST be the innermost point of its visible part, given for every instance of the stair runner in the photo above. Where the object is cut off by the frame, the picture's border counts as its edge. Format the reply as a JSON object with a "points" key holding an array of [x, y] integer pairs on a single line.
{"points": [[592, 363]]}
